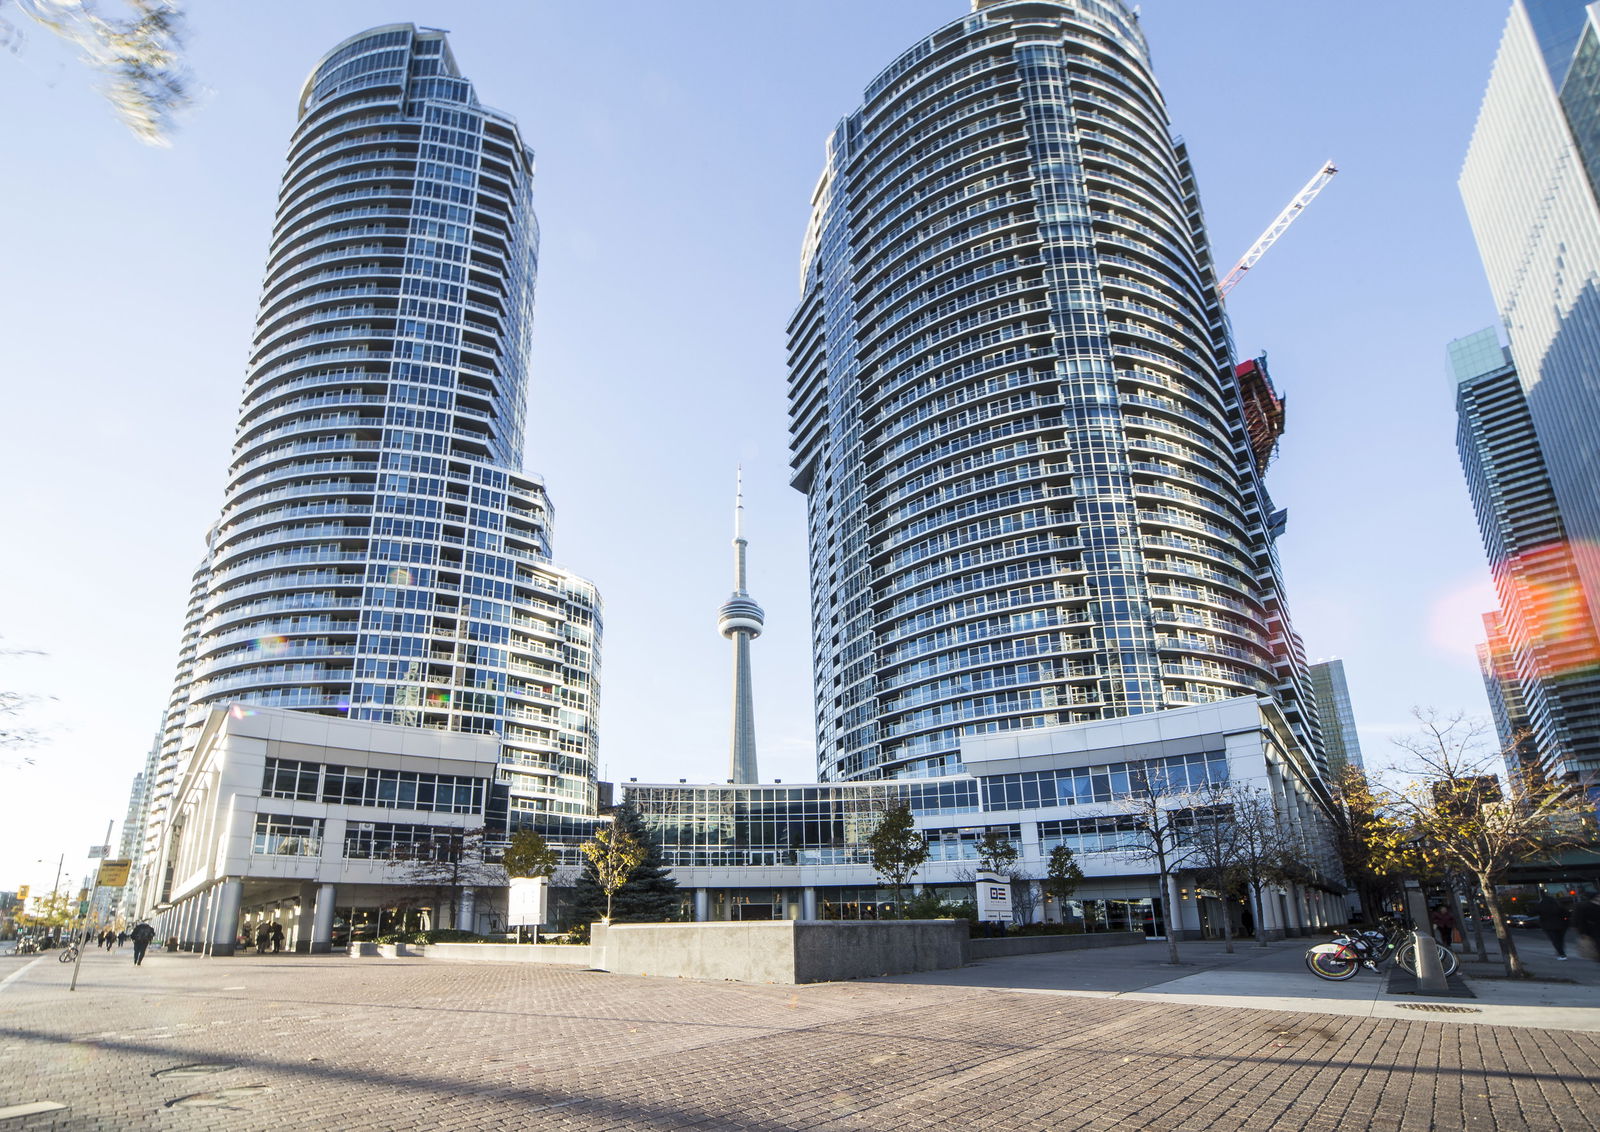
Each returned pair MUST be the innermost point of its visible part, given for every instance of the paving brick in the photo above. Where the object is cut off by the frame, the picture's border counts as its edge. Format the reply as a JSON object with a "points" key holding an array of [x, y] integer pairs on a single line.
{"points": [[423, 1044]]}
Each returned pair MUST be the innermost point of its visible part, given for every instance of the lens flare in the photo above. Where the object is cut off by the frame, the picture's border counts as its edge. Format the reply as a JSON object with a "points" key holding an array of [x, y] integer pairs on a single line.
{"points": [[272, 646], [1545, 616], [400, 576]]}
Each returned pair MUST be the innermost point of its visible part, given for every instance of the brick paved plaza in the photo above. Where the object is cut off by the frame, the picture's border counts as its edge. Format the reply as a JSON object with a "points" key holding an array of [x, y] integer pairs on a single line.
{"points": [[401, 1044]]}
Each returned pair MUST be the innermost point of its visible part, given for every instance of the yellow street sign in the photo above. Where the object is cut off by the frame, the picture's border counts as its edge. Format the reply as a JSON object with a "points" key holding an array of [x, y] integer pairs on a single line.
{"points": [[113, 874]]}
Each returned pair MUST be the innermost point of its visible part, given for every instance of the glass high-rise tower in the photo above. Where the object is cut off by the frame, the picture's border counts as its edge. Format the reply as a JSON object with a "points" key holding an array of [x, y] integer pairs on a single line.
{"points": [[1529, 418], [1033, 464], [380, 553], [1541, 663], [1529, 183]]}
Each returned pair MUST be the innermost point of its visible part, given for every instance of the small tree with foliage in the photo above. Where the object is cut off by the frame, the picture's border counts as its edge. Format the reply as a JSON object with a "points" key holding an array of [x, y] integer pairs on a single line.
{"points": [[1063, 876], [1458, 813], [530, 855], [897, 849], [996, 853], [612, 856], [647, 893]]}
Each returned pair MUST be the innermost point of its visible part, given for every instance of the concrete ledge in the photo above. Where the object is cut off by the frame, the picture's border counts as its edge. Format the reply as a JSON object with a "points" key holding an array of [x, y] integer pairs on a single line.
{"points": [[1039, 944], [571, 955], [780, 951]]}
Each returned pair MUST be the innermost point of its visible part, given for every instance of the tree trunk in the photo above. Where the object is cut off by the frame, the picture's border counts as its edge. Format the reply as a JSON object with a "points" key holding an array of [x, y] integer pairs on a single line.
{"points": [[1227, 922], [1172, 918], [1461, 918], [1502, 935]]}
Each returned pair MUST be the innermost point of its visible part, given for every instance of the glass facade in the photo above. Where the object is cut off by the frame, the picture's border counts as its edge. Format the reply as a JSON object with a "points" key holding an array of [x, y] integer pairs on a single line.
{"points": [[380, 555], [1541, 663], [1337, 717], [1032, 466], [1530, 192], [828, 824]]}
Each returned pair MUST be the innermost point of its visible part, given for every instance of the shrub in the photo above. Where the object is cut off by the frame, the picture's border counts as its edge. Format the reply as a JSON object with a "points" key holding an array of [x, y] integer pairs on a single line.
{"points": [[929, 906]]}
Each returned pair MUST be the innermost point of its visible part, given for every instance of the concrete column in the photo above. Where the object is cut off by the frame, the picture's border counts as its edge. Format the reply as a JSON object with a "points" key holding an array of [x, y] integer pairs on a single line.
{"points": [[225, 917], [1174, 910], [702, 904], [322, 923], [303, 919], [191, 923], [808, 903], [466, 909]]}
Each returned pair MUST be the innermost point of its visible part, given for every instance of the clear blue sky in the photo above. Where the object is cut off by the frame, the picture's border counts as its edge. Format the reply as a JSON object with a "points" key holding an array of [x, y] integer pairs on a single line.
{"points": [[678, 145]]}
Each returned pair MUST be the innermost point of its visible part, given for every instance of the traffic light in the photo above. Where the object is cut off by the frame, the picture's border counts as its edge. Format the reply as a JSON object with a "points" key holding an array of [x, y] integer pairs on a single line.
{"points": [[22, 892]]}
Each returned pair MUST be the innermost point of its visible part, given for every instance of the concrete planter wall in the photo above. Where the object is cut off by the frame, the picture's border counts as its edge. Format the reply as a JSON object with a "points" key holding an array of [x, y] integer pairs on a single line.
{"points": [[780, 951], [570, 955], [1039, 944]]}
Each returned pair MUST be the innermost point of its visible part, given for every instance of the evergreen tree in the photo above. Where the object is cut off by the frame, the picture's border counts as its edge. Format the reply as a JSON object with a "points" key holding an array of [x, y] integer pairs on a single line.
{"points": [[650, 894]]}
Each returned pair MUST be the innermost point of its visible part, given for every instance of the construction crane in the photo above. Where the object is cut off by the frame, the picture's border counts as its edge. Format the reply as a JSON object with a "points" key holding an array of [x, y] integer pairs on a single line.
{"points": [[1277, 228]]}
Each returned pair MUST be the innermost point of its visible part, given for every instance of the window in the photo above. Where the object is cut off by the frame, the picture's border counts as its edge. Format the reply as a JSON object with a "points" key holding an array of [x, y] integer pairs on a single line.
{"points": [[395, 841], [286, 836], [286, 778]]}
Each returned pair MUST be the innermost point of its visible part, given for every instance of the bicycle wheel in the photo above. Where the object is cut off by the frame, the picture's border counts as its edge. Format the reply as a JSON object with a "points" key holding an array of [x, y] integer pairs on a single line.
{"points": [[1334, 965], [68, 955], [1406, 956]]}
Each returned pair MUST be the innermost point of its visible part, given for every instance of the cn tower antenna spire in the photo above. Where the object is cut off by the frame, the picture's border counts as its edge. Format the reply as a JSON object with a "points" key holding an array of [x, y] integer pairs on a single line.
{"points": [[740, 620]]}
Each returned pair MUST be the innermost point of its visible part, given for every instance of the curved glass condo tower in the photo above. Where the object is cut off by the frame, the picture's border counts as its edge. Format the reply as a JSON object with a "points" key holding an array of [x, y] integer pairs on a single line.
{"points": [[1033, 468], [380, 555]]}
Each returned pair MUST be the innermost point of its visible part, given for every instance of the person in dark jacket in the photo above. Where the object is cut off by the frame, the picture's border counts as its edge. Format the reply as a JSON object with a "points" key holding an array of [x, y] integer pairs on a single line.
{"points": [[1586, 925], [1553, 922], [277, 937], [142, 934]]}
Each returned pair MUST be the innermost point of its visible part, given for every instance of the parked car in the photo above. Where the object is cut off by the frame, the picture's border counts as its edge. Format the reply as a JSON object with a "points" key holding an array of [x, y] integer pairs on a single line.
{"points": [[1521, 920]]}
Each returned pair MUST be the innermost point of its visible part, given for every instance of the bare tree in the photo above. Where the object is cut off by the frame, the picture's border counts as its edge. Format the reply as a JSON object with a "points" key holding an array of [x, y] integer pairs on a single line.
{"points": [[447, 862], [1213, 840], [138, 55], [1459, 812], [1154, 831], [1266, 847], [12, 706]]}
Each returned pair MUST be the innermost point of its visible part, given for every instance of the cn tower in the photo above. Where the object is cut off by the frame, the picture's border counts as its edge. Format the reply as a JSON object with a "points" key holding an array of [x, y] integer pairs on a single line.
{"points": [[740, 620]]}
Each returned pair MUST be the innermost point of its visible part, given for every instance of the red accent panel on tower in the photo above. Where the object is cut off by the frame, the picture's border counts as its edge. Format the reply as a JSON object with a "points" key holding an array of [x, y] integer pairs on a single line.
{"points": [[1263, 409]]}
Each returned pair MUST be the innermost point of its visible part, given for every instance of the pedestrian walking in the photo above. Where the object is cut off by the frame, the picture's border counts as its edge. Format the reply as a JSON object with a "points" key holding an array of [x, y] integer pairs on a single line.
{"points": [[277, 937], [122, 938], [1444, 924], [263, 939], [142, 934], [1586, 925], [1553, 921]]}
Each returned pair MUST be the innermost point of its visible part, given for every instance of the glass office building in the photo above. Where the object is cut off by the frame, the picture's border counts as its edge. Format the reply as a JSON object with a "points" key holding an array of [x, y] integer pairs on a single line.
{"points": [[1337, 717], [380, 554], [1529, 185], [1541, 663], [1033, 465]]}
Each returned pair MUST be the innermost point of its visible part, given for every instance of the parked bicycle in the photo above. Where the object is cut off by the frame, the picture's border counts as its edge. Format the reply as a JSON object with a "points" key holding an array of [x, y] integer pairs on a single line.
{"points": [[69, 954], [1347, 954]]}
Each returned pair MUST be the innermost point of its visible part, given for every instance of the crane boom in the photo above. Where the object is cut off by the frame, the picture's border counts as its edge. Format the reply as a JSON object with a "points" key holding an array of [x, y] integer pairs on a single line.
{"points": [[1277, 228]]}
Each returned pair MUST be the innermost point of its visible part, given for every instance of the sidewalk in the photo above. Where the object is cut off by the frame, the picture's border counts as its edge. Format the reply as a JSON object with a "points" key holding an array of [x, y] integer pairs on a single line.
{"points": [[1275, 978]]}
